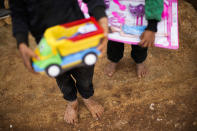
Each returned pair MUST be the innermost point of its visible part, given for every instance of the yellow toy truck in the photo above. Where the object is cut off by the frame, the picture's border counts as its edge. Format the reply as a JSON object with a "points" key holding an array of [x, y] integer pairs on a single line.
{"points": [[68, 45]]}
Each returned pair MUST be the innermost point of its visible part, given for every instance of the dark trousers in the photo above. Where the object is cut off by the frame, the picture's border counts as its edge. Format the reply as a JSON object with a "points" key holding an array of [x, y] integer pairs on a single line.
{"points": [[115, 51], [82, 82], [2, 6]]}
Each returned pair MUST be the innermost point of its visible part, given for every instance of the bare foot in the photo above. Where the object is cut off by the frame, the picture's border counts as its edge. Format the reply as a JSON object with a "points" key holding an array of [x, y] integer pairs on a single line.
{"points": [[95, 108], [110, 68], [141, 70], [71, 113]]}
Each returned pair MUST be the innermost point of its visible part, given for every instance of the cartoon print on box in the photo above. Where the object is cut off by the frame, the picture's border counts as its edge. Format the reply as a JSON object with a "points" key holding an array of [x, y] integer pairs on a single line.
{"points": [[137, 11], [127, 24]]}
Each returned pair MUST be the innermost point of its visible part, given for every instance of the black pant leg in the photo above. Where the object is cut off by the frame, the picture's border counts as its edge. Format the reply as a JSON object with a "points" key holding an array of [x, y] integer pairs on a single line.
{"points": [[115, 51], [138, 53], [2, 6], [67, 86], [84, 77]]}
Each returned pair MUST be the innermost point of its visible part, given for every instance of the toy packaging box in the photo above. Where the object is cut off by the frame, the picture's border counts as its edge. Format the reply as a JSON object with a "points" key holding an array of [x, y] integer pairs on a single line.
{"points": [[127, 22], [68, 45]]}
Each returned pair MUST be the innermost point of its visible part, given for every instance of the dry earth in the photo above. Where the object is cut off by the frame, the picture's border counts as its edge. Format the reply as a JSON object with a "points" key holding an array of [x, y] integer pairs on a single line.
{"points": [[166, 100]]}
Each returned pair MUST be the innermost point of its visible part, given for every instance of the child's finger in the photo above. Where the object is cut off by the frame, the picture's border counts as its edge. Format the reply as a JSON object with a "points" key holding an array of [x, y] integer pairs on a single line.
{"points": [[142, 36], [141, 42], [28, 65], [102, 52], [149, 44], [33, 54], [145, 44], [153, 43], [102, 47]]}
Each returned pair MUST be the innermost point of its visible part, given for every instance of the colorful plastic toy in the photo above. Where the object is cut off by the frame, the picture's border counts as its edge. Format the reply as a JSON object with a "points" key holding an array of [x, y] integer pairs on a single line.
{"points": [[127, 25], [68, 45]]}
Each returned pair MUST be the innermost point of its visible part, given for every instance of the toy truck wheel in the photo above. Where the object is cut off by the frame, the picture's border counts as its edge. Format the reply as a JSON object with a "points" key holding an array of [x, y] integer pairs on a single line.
{"points": [[53, 70], [90, 59]]}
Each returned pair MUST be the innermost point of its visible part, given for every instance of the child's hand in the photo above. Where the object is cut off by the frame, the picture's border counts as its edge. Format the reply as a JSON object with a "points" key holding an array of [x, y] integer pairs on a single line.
{"points": [[103, 22], [147, 39], [27, 54]]}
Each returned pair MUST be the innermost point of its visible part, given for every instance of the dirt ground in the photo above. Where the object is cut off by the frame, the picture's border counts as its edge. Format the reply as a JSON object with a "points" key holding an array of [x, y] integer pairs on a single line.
{"points": [[166, 100]]}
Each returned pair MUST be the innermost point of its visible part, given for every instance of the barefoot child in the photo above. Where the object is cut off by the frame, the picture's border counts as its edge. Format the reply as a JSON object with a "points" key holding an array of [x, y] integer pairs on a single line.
{"points": [[36, 16], [115, 50]]}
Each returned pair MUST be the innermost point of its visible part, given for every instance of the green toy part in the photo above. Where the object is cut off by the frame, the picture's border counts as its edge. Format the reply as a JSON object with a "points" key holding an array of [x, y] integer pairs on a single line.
{"points": [[46, 51]]}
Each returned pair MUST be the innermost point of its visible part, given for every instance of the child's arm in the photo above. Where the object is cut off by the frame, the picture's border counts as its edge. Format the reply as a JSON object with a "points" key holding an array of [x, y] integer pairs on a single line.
{"points": [[103, 22], [97, 8], [19, 21], [153, 11], [20, 31]]}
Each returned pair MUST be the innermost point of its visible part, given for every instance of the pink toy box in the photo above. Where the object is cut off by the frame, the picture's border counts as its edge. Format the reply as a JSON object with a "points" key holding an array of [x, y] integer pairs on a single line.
{"points": [[127, 27]]}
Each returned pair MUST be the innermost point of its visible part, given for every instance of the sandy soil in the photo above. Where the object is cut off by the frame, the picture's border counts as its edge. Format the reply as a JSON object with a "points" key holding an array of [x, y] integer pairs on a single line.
{"points": [[166, 100]]}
